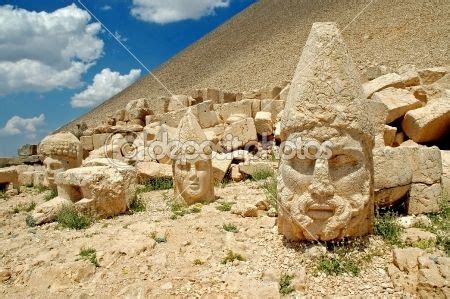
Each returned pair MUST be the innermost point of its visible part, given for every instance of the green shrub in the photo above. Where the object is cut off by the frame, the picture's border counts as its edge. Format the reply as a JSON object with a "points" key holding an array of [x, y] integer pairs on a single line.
{"points": [[270, 189], [137, 205], [224, 206], [262, 174], [26, 208], [231, 257], [286, 284], [440, 225], [70, 218], [3, 195], [388, 228], [230, 228], [157, 184], [90, 255], [30, 221], [198, 262], [337, 265], [50, 195]]}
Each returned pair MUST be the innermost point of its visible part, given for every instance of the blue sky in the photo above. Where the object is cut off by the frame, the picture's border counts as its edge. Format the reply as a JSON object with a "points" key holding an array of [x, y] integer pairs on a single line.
{"points": [[56, 63]]}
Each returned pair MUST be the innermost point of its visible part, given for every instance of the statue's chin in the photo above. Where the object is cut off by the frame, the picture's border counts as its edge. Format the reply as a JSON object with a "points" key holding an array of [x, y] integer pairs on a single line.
{"points": [[323, 221]]}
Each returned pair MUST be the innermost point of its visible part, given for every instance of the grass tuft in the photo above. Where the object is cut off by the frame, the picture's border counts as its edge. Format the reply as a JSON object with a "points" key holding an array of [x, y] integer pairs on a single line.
{"points": [[336, 265], [157, 184], [231, 257], [224, 206], [270, 189], [50, 195], [286, 284], [388, 228], [24, 207], [68, 217], [30, 221], [198, 262], [3, 195], [137, 205], [262, 174], [90, 254], [230, 228]]}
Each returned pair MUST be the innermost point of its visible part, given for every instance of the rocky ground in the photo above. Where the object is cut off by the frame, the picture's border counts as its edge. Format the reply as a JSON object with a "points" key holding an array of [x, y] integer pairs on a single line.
{"points": [[156, 253]]}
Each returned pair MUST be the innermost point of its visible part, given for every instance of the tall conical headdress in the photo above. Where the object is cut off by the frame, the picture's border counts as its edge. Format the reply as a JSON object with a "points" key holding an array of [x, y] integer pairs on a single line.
{"points": [[190, 133], [326, 90]]}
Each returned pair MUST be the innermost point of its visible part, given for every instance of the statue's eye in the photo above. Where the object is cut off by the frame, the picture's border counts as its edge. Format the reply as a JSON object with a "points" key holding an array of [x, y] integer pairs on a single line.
{"points": [[343, 160], [302, 165], [184, 166]]}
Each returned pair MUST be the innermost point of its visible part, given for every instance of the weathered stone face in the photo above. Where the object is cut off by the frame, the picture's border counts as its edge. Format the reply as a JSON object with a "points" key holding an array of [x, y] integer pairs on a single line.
{"points": [[324, 199], [192, 166], [193, 180], [325, 178], [63, 151]]}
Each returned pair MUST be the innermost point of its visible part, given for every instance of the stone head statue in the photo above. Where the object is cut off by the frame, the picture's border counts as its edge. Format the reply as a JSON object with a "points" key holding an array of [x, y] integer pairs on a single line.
{"points": [[325, 177], [192, 165], [63, 151]]}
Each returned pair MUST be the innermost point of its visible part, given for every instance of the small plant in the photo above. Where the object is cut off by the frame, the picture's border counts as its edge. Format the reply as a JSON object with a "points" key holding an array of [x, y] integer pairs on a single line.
{"points": [[230, 228], [40, 188], [90, 255], [137, 205], [159, 239], [3, 195], [50, 195], [197, 208], [157, 184], [262, 174], [337, 265], [70, 218], [286, 284], [231, 257], [27, 207], [387, 227], [424, 244], [224, 206], [270, 189], [30, 221], [198, 262]]}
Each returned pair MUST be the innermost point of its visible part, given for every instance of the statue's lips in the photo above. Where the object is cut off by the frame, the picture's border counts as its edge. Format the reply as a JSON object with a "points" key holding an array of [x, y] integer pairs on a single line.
{"points": [[320, 211], [194, 186]]}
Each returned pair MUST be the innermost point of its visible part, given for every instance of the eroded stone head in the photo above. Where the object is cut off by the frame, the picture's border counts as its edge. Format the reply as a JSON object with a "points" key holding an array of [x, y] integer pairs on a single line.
{"points": [[325, 178], [192, 165], [63, 151]]}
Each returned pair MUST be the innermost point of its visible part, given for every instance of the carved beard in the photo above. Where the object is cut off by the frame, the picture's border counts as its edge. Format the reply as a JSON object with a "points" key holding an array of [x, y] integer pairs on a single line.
{"points": [[330, 228]]}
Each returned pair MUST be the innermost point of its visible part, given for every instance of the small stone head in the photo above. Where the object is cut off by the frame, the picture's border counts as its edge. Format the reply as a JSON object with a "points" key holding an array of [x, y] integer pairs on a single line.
{"points": [[192, 165], [325, 181], [63, 151]]}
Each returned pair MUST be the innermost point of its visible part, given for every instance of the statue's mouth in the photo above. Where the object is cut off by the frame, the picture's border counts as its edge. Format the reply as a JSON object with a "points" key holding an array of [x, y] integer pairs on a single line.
{"points": [[320, 211]]}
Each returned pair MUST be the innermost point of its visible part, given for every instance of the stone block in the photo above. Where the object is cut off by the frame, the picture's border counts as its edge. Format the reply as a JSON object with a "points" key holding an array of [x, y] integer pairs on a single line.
{"points": [[263, 123], [87, 143], [272, 106], [429, 123], [424, 199], [397, 101], [27, 150], [98, 140]]}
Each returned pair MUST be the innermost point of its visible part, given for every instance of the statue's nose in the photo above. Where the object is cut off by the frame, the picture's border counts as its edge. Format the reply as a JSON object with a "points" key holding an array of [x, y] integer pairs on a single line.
{"points": [[321, 186]]}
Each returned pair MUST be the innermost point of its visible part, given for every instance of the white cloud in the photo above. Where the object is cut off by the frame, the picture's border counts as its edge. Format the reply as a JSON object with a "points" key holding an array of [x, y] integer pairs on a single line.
{"points": [[42, 51], [105, 84], [17, 125], [167, 11]]}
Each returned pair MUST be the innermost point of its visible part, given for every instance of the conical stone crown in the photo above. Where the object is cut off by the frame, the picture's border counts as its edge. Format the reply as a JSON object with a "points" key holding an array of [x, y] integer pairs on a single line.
{"points": [[326, 90]]}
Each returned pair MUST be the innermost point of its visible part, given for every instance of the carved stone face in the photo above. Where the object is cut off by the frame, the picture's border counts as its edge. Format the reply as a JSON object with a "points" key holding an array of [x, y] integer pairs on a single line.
{"points": [[193, 180], [52, 167], [329, 197], [56, 164]]}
